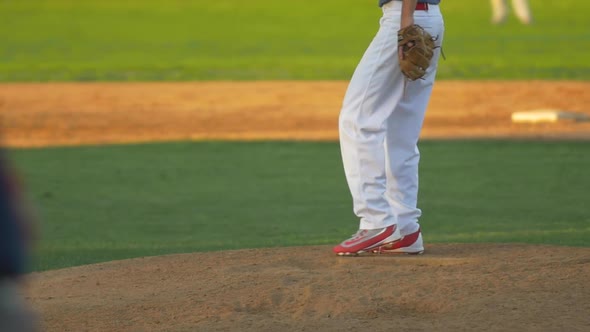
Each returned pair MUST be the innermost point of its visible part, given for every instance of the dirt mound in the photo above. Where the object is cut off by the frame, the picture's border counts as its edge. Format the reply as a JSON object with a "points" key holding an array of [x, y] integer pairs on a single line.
{"points": [[450, 288]]}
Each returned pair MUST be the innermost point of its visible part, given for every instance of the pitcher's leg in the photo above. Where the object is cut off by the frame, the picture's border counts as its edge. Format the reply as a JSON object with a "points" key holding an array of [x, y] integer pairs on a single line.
{"points": [[374, 90], [404, 126], [403, 156]]}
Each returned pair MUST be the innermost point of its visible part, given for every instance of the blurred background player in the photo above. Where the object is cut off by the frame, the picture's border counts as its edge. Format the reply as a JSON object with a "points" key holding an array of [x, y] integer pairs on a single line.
{"points": [[15, 231], [521, 9]]}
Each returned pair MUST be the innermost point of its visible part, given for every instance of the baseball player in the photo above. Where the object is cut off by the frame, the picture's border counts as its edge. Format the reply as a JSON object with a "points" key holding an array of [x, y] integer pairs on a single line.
{"points": [[521, 9], [380, 123]]}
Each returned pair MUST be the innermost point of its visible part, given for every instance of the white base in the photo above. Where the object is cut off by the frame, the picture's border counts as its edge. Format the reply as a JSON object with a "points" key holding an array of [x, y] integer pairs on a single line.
{"points": [[547, 116]]}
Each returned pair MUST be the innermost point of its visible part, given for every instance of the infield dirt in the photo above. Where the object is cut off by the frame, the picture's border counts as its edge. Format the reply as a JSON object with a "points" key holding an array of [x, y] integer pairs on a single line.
{"points": [[487, 287], [450, 288], [99, 113]]}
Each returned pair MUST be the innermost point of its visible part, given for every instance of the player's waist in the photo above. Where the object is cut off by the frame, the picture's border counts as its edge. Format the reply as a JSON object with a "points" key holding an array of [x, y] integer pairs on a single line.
{"points": [[420, 6], [433, 2]]}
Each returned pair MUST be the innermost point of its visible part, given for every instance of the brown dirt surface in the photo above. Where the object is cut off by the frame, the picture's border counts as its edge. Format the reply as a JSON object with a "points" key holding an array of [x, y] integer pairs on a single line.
{"points": [[487, 287], [98, 113], [452, 287]]}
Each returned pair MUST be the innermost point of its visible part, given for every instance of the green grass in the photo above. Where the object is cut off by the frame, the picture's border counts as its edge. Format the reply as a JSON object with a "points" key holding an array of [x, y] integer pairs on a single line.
{"points": [[114, 202], [68, 40]]}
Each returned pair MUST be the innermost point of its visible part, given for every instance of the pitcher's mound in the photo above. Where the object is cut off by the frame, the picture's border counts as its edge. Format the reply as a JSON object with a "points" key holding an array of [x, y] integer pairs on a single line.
{"points": [[449, 288]]}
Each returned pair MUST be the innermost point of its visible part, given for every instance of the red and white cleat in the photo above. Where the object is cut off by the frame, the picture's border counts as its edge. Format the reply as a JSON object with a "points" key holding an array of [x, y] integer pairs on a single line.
{"points": [[411, 244], [365, 240]]}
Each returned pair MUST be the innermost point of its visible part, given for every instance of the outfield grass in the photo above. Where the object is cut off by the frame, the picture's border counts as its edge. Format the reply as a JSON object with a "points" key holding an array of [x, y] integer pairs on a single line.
{"points": [[67, 40], [113, 202]]}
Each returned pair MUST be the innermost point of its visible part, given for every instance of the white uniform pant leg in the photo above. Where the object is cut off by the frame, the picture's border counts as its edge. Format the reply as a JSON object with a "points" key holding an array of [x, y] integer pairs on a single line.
{"points": [[404, 126], [374, 90], [522, 10], [499, 10]]}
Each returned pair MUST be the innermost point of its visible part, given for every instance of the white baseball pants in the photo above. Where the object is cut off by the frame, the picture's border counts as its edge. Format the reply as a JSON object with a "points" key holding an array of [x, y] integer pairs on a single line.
{"points": [[380, 123]]}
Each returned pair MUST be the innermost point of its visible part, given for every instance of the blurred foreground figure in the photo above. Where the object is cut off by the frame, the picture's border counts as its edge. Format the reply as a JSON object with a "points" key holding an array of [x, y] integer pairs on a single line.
{"points": [[521, 9], [15, 314]]}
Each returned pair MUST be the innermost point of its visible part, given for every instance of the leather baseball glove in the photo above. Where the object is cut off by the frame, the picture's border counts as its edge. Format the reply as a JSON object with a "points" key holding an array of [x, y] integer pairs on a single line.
{"points": [[416, 48]]}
